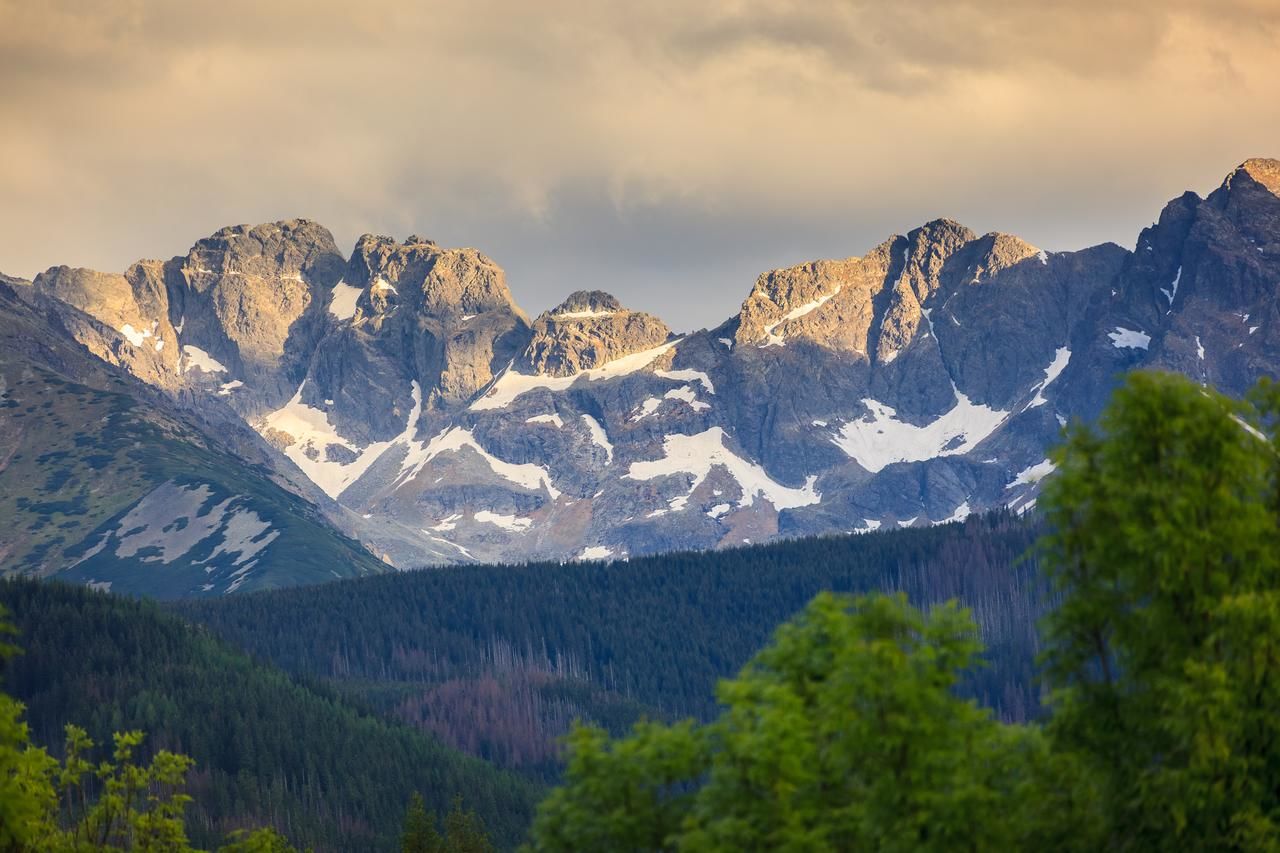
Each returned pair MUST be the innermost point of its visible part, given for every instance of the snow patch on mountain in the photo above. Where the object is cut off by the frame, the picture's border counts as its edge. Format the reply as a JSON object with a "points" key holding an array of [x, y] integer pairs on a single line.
{"points": [[880, 439], [343, 303], [1130, 338], [1055, 368], [698, 454], [171, 520], [511, 523], [684, 393], [511, 383], [1172, 290], [687, 375], [599, 437], [455, 439], [201, 360], [1033, 474], [312, 434], [795, 314], [137, 336]]}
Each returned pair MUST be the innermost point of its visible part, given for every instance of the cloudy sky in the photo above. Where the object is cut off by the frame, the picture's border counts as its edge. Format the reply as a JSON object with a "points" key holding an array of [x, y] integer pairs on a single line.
{"points": [[667, 151]]}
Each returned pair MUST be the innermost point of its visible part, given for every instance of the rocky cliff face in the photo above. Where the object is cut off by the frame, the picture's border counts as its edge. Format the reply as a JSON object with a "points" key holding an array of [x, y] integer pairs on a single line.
{"points": [[915, 384]]}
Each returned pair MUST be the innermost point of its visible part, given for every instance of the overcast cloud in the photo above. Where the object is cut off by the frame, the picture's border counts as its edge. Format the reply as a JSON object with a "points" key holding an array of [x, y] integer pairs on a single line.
{"points": [[664, 151]]}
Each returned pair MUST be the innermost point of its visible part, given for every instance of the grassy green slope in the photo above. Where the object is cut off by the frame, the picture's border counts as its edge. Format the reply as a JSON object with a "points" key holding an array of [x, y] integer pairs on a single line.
{"points": [[82, 445]]}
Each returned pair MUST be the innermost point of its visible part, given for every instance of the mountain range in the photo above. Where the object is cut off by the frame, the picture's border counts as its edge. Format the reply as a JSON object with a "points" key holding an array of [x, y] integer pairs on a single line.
{"points": [[265, 410]]}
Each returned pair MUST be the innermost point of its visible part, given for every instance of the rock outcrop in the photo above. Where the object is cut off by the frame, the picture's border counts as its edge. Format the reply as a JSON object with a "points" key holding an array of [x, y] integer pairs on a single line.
{"points": [[587, 330]]}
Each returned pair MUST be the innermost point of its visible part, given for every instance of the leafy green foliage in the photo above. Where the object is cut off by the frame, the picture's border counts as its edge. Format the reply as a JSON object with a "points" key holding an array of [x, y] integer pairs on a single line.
{"points": [[1164, 658], [1166, 650], [844, 734]]}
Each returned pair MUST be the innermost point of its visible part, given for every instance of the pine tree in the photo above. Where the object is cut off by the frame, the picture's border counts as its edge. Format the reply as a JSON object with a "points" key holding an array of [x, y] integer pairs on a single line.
{"points": [[419, 834]]}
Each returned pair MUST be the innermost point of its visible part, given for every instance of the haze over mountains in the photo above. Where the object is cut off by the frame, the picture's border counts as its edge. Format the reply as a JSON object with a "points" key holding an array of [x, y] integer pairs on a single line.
{"points": [[404, 392]]}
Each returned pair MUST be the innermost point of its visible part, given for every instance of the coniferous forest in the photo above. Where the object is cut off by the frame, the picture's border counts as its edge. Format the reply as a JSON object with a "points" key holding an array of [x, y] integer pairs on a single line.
{"points": [[1102, 678]]}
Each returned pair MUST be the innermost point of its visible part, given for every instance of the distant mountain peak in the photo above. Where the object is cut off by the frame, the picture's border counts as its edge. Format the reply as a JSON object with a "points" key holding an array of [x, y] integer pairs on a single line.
{"points": [[589, 329], [1262, 170], [587, 301]]}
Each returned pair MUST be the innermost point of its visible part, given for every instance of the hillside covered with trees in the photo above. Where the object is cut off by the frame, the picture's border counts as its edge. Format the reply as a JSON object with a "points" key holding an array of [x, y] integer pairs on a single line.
{"points": [[268, 750]]}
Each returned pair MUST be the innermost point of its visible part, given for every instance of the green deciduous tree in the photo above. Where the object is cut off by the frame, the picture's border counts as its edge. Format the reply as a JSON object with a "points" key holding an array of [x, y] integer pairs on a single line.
{"points": [[843, 734], [1165, 650], [1163, 656]]}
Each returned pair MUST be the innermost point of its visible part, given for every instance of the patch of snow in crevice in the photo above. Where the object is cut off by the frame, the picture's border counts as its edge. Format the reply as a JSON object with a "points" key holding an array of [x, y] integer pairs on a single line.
{"points": [[1199, 348], [137, 336], [448, 523], [719, 510], [454, 439], [961, 513], [1253, 329], [698, 454], [599, 437], [510, 384], [795, 314], [461, 550], [227, 387], [1172, 290], [545, 419], [688, 375], [381, 283], [343, 302], [1055, 368], [880, 439], [200, 360], [512, 523], [312, 433], [595, 552], [728, 342], [1043, 256], [1123, 338], [684, 393], [581, 315], [869, 524], [819, 423], [1032, 474]]}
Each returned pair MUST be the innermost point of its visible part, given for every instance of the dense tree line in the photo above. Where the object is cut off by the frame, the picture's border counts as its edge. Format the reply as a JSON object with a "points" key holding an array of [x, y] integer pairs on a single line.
{"points": [[1163, 655], [656, 630], [267, 751]]}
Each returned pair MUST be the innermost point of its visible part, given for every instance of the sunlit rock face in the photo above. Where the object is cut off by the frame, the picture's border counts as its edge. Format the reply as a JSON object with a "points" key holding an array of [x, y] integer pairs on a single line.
{"points": [[914, 384]]}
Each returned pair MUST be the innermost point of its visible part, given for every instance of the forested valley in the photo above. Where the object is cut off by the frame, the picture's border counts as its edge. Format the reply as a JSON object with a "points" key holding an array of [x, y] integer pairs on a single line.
{"points": [[1103, 677]]}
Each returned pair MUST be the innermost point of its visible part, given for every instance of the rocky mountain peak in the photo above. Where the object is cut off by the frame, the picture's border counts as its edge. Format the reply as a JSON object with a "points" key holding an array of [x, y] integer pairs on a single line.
{"points": [[589, 329], [1262, 170], [587, 302], [433, 280]]}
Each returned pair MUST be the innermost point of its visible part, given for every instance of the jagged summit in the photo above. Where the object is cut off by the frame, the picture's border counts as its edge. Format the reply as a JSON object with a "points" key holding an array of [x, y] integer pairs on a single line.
{"points": [[586, 302], [912, 384], [589, 329], [1263, 170]]}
